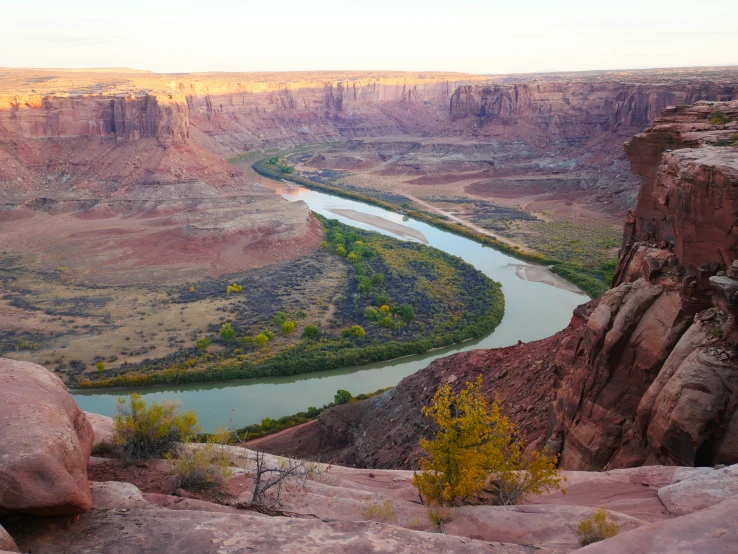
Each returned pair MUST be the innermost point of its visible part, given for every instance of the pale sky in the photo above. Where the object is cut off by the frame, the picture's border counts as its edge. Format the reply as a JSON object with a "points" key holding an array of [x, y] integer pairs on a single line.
{"points": [[473, 36]]}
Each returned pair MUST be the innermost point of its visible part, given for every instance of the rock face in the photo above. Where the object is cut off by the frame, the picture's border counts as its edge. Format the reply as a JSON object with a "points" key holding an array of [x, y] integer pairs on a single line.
{"points": [[688, 199], [648, 374], [652, 377], [225, 113], [45, 443], [112, 184]]}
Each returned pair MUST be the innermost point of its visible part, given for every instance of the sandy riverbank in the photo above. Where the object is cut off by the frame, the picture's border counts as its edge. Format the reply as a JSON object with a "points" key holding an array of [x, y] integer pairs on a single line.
{"points": [[398, 229], [538, 274]]}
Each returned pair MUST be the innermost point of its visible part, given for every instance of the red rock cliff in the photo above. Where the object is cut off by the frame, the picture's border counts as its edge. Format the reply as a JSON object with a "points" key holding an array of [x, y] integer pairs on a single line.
{"points": [[124, 117]]}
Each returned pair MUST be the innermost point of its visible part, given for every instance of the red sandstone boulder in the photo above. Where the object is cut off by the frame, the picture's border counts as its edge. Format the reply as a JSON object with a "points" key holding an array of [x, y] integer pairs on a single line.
{"points": [[102, 426], [45, 442]]}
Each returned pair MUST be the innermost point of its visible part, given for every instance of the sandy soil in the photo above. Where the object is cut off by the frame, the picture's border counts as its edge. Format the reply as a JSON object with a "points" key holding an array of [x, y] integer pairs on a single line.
{"points": [[398, 229]]}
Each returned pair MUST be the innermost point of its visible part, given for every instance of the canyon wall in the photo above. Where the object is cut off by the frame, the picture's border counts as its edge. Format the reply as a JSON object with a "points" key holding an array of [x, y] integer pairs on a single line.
{"points": [[570, 113], [647, 374], [579, 118], [122, 117], [128, 128]]}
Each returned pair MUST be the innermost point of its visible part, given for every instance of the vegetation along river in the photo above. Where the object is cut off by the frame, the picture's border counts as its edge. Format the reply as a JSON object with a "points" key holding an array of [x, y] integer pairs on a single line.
{"points": [[537, 305]]}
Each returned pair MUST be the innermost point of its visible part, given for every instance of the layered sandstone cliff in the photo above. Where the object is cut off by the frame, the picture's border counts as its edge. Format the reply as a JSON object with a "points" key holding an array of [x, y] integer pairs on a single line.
{"points": [[647, 374], [225, 113]]}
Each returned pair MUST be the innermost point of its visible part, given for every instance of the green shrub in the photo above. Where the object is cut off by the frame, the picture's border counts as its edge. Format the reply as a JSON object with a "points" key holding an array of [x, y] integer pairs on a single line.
{"points": [[342, 397], [355, 331], [279, 318], [381, 299], [268, 334], [596, 528], [261, 340], [387, 323], [140, 432], [202, 344], [732, 140], [378, 279], [372, 314], [718, 118], [341, 251], [311, 332], [406, 312], [365, 285], [227, 334], [353, 258], [100, 366]]}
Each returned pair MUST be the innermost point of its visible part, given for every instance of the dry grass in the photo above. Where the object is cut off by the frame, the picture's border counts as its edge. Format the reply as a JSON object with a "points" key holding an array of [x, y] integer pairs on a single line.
{"points": [[596, 528], [383, 512], [439, 516], [202, 468], [316, 472]]}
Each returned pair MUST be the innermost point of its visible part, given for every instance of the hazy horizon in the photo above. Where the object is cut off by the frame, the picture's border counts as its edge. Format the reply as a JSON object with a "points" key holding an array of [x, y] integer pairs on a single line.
{"points": [[368, 70], [467, 36]]}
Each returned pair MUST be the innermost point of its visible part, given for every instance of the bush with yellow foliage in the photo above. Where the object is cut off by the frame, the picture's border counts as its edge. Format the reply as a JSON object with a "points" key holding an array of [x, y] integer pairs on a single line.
{"points": [[235, 287], [144, 432], [475, 449]]}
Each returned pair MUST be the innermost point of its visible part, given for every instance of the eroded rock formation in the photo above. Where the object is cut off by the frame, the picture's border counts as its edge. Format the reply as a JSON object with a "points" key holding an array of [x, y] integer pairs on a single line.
{"points": [[648, 374], [652, 377]]}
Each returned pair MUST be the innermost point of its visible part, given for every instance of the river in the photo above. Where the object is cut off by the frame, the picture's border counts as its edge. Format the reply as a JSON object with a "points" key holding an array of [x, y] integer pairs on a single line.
{"points": [[533, 310]]}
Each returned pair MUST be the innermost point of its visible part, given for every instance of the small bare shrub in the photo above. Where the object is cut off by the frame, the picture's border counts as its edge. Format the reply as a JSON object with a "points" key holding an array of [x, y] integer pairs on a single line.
{"points": [[270, 478], [383, 512], [596, 528]]}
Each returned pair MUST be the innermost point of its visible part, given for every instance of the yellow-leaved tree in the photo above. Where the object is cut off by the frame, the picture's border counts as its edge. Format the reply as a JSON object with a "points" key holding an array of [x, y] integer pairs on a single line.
{"points": [[475, 449]]}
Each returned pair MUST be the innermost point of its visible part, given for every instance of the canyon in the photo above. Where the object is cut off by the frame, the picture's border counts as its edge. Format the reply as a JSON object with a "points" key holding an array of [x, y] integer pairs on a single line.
{"points": [[115, 194], [644, 375], [115, 191]]}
